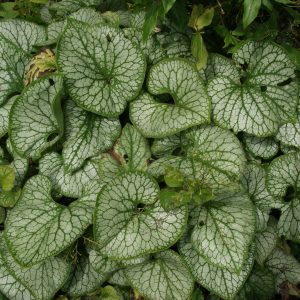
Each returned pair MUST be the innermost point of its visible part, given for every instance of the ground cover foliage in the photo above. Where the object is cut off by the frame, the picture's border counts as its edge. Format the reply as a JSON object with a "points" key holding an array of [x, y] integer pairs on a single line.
{"points": [[149, 150]]}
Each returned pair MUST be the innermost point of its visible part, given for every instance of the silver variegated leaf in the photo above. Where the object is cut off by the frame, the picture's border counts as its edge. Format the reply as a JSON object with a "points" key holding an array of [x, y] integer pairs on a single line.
{"points": [[129, 221], [221, 282], [23, 34], [166, 145], [262, 99], [259, 286], [38, 227], [289, 222], [69, 185], [165, 276], [254, 180], [284, 266], [283, 172], [266, 241], [36, 118], [40, 281], [214, 156], [86, 135], [224, 231], [265, 148], [191, 107], [133, 149], [104, 79]]}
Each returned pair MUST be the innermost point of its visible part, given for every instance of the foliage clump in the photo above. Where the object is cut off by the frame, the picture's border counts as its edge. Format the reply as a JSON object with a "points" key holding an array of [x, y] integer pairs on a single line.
{"points": [[140, 159]]}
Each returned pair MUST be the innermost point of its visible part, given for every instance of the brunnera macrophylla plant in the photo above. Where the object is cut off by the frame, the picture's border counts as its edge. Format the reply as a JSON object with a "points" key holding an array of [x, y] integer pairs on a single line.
{"points": [[124, 169]]}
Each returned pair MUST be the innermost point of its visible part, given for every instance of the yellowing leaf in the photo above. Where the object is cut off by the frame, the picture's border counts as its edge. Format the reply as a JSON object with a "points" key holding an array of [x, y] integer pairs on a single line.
{"points": [[7, 178]]}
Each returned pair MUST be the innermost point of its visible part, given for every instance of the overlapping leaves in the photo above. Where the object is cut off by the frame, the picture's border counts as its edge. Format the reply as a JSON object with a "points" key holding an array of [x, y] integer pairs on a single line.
{"points": [[262, 97], [102, 206]]}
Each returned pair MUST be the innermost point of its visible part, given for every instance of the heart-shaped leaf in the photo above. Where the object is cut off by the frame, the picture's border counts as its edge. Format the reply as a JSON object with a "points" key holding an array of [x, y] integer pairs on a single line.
{"points": [[13, 62], [129, 221], [4, 113], [263, 98], [38, 227], [23, 34], [84, 279], [87, 135], [86, 15], [283, 265], [289, 133], [266, 241], [35, 118], [191, 106], [214, 157], [265, 148], [283, 173], [69, 185], [165, 276], [133, 149], [289, 222], [254, 181], [104, 79], [259, 285], [221, 282], [224, 231], [41, 281]]}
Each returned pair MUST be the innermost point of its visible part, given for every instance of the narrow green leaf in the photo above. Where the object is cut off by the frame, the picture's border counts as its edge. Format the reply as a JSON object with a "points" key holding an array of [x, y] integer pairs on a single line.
{"points": [[197, 10], [201, 18], [35, 122], [251, 9], [199, 50], [150, 21], [167, 4], [166, 276], [38, 227]]}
